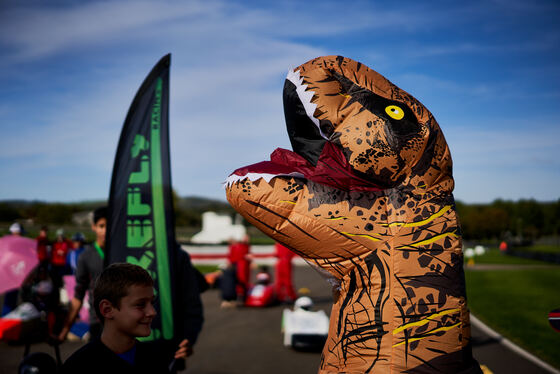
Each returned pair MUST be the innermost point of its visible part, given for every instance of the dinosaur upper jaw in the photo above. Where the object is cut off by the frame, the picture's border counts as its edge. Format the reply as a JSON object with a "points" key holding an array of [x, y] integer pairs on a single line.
{"points": [[332, 169]]}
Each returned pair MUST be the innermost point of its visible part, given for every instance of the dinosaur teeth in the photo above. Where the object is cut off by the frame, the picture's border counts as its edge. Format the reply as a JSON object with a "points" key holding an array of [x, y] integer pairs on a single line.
{"points": [[234, 178], [305, 97]]}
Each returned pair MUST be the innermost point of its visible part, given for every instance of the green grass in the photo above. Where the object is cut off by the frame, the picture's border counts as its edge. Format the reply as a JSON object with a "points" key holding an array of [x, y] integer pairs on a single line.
{"points": [[262, 241], [494, 256], [516, 303], [540, 248]]}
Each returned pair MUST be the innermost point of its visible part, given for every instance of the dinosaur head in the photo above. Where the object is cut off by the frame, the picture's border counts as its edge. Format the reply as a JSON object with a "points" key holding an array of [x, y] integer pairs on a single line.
{"points": [[381, 130], [352, 129]]}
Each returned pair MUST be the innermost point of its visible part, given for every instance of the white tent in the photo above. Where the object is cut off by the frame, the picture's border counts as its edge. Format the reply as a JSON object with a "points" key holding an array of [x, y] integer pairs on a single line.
{"points": [[218, 228]]}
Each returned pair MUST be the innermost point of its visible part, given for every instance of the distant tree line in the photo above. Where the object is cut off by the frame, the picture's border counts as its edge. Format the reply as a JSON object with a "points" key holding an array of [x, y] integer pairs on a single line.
{"points": [[507, 220], [188, 210], [501, 219], [42, 212]]}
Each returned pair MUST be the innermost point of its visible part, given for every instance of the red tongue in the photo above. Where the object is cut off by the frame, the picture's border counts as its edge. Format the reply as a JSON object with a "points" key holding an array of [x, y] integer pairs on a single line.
{"points": [[332, 169]]}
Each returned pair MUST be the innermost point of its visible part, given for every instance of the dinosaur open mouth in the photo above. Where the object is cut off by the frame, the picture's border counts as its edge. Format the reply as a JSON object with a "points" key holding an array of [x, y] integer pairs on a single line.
{"points": [[332, 169]]}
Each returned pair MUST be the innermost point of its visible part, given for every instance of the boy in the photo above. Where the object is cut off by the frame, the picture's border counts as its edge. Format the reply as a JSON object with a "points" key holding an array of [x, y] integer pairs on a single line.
{"points": [[123, 299], [78, 240], [90, 265]]}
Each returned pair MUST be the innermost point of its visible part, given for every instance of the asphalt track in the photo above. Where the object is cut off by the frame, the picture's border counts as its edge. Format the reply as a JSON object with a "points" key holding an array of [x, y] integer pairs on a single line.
{"points": [[248, 340]]}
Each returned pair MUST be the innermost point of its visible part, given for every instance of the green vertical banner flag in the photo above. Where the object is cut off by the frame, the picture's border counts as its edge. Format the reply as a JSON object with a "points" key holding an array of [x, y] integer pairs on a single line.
{"points": [[141, 226]]}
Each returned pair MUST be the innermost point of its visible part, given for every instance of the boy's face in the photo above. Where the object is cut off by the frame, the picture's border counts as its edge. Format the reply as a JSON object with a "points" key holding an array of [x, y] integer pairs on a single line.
{"points": [[99, 229], [136, 312]]}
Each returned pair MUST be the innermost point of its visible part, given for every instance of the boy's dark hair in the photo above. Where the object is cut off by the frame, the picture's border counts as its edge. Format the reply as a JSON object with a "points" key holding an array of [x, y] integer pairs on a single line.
{"points": [[99, 213], [113, 283]]}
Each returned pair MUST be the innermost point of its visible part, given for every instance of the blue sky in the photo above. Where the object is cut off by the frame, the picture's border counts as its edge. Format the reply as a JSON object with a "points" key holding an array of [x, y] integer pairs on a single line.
{"points": [[488, 71]]}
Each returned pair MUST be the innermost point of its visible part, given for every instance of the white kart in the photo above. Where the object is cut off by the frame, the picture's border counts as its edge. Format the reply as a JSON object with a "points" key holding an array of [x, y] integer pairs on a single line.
{"points": [[304, 329]]}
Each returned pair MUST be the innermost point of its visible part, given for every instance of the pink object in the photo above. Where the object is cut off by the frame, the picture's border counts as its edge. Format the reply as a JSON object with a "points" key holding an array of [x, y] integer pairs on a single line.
{"points": [[69, 285], [18, 257]]}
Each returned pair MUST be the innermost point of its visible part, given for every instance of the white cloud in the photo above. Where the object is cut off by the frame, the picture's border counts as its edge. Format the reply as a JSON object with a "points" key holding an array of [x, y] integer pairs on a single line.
{"points": [[36, 32], [39, 30]]}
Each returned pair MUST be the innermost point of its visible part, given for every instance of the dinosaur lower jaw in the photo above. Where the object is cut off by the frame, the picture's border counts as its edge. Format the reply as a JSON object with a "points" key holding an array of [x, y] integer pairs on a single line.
{"points": [[332, 170]]}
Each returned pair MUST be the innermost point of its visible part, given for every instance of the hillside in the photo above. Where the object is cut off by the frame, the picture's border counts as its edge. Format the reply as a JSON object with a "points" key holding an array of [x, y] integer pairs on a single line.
{"points": [[188, 210]]}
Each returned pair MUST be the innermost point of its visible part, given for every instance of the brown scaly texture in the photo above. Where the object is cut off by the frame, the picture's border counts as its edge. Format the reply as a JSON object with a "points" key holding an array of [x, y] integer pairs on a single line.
{"points": [[393, 252]]}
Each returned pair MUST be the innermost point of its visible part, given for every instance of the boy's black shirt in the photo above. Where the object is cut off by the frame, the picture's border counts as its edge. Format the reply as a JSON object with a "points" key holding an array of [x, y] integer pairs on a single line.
{"points": [[96, 358]]}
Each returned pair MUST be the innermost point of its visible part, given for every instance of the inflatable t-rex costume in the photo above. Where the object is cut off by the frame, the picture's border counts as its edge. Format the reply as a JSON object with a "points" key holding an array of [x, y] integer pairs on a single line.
{"points": [[366, 197]]}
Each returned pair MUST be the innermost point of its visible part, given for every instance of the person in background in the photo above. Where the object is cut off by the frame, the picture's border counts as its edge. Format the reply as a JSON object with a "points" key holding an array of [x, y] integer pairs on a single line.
{"points": [[283, 279], [227, 282], [77, 249], [263, 276], [239, 258], [39, 289], [43, 246], [60, 249], [16, 229], [90, 265]]}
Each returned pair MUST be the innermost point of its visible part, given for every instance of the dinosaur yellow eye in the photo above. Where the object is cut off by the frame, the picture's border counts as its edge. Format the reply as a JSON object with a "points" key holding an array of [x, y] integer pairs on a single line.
{"points": [[394, 112]]}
